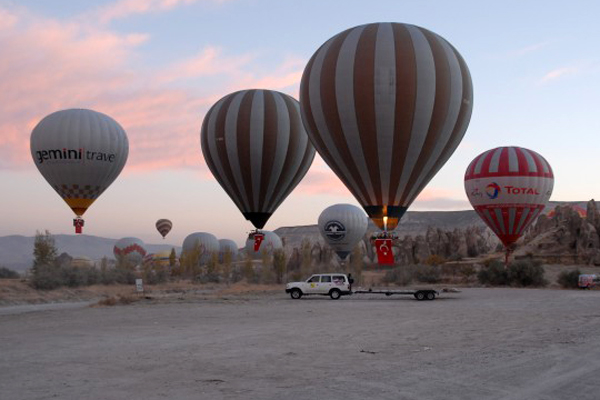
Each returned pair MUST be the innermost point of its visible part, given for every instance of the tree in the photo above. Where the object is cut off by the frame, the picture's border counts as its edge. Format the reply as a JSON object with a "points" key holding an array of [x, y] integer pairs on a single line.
{"points": [[44, 250], [305, 257], [356, 263], [172, 258], [279, 265]]}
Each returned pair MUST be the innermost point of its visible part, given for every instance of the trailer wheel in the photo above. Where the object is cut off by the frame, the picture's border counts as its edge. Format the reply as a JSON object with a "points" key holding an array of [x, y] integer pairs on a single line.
{"points": [[335, 294], [430, 295], [420, 295], [296, 294]]}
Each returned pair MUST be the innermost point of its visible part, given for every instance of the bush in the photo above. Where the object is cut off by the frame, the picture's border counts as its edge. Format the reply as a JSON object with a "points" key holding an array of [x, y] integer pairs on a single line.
{"points": [[428, 273], [493, 273], [6, 273], [401, 276], [521, 273], [46, 278], [156, 276], [569, 279], [435, 259], [526, 273]]}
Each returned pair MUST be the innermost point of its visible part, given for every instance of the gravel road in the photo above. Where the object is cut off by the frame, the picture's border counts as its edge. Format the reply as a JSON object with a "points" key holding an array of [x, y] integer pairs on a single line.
{"points": [[477, 344]]}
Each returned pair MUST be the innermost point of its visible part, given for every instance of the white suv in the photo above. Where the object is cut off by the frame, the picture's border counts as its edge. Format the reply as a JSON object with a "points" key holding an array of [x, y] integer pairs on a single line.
{"points": [[332, 285]]}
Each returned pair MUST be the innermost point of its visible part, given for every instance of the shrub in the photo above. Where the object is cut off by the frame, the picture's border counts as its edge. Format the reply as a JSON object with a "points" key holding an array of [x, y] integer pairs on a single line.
{"points": [[467, 271], [46, 278], [428, 273], [401, 276], [6, 273], [435, 259], [525, 273], [493, 273], [569, 279]]}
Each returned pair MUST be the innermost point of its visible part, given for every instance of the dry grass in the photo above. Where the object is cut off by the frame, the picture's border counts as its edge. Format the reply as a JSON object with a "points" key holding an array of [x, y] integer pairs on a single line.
{"points": [[118, 300]]}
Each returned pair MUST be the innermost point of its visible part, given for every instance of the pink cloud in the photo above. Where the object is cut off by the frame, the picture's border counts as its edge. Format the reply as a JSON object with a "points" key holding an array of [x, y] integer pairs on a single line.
{"points": [[558, 73], [48, 65], [124, 8]]}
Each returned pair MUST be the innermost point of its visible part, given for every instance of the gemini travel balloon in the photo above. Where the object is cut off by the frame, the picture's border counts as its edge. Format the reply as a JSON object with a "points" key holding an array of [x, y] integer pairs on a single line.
{"points": [[343, 227], [164, 226], [255, 145], [509, 188], [386, 105], [80, 153]]}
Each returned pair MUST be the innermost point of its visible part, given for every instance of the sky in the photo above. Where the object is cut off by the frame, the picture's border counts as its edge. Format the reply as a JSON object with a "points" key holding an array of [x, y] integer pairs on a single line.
{"points": [[156, 67]]}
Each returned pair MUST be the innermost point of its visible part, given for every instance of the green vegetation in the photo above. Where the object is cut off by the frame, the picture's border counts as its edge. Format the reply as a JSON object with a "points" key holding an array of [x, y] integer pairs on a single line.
{"points": [[521, 273], [569, 279], [6, 273]]}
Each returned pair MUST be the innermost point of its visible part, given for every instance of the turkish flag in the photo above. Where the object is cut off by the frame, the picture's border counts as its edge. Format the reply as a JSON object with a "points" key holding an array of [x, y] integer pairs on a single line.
{"points": [[385, 256], [258, 238]]}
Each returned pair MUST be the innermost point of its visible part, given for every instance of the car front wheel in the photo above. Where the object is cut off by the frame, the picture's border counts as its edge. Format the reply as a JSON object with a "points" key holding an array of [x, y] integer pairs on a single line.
{"points": [[296, 294]]}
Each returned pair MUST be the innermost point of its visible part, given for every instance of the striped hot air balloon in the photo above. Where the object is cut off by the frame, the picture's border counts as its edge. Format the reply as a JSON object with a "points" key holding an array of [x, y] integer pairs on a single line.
{"points": [[509, 188], [256, 147], [164, 226], [386, 105]]}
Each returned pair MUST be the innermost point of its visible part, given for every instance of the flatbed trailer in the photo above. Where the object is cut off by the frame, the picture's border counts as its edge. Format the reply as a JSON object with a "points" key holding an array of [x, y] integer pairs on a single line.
{"points": [[419, 294]]}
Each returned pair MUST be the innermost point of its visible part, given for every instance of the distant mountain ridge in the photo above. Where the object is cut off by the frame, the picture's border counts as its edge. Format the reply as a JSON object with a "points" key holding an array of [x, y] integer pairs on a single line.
{"points": [[16, 250]]}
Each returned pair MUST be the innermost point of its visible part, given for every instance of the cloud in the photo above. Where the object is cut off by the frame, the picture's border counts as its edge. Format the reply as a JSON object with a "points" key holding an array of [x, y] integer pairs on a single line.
{"points": [[48, 65], [529, 49], [558, 73], [125, 8]]}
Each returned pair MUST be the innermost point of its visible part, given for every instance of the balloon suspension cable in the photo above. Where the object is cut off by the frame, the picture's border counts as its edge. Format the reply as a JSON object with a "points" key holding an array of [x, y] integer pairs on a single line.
{"points": [[506, 256]]}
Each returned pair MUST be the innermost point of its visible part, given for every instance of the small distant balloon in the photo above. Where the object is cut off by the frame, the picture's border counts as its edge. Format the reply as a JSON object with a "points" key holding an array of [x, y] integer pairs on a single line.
{"points": [[164, 226]]}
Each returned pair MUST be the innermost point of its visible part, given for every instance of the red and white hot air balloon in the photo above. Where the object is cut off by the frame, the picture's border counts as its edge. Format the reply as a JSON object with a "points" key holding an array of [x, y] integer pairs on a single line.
{"points": [[509, 188]]}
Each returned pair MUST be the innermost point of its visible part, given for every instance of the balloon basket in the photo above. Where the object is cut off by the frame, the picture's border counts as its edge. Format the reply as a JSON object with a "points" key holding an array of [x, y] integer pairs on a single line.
{"points": [[78, 224]]}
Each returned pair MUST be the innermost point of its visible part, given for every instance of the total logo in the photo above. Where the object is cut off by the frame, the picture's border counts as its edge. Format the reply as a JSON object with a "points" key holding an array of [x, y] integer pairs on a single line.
{"points": [[492, 190], [335, 230]]}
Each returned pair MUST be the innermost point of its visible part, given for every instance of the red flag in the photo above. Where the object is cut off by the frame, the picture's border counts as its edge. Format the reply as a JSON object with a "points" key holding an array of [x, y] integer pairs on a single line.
{"points": [[258, 238], [384, 251]]}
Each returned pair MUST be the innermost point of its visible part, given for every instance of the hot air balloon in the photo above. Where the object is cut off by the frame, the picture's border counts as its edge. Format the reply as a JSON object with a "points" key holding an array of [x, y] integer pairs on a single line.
{"points": [[130, 249], [386, 105], [203, 242], [343, 227], [164, 226], [255, 145], [509, 188], [262, 242], [227, 246], [80, 153]]}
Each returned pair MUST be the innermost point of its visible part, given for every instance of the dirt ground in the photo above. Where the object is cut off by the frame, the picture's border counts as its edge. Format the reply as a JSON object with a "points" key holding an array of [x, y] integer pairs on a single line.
{"points": [[477, 344]]}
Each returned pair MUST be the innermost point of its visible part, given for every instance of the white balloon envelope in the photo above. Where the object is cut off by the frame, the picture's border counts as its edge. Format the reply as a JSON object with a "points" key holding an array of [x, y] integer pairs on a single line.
{"points": [[80, 153], [342, 226]]}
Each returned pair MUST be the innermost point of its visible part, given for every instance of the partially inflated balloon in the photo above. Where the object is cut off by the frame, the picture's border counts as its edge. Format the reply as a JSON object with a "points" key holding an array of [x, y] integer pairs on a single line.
{"points": [[131, 249], [80, 153], [200, 244], [268, 243], [256, 147], [509, 187], [342, 226], [386, 105], [227, 246], [164, 226]]}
